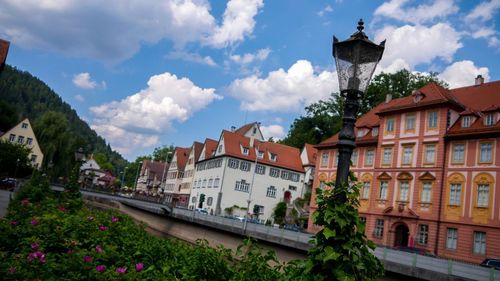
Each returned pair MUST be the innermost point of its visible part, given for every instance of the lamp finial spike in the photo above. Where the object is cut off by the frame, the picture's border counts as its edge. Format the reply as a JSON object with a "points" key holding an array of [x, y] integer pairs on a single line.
{"points": [[360, 25]]}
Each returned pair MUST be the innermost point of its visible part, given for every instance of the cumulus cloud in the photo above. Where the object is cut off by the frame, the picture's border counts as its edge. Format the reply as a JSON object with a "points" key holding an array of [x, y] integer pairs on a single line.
{"points": [[143, 116], [84, 81], [481, 24], [114, 31], [191, 57], [238, 22], [80, 98], [400, 10], [414, 45], [327, 9], [248, 58], [123, 141], [276, 132], [462, 73], [284, 90], [484, 11]]}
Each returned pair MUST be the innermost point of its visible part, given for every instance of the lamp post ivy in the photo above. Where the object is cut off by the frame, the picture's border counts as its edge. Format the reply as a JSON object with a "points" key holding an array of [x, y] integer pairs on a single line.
{"points": [[356, 59]]}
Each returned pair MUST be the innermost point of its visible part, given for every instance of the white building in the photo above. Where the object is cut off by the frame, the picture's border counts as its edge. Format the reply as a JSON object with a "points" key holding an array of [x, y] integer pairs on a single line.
{"points": [[174, 194], [23, 134], [245, 168]]}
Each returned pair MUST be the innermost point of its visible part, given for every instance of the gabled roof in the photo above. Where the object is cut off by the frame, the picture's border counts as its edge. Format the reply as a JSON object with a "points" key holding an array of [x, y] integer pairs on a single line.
{"points": [[182, 154], [154, 167], [198, 147], [244, 129], [210, 147], [286, 156], [311, 154]]}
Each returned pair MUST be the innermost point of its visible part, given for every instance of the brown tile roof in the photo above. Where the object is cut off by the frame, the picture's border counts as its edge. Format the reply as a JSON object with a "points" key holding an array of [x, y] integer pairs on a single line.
{"points": [[182, 154], [198, 147], [154, 167], [210, 147], [286, 156], [311, 154]]}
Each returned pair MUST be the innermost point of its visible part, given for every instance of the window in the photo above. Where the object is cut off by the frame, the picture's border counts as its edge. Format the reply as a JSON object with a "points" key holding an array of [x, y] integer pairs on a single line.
{"points": [[260, 169], [479, 242], [379, 228], [20, 139], [423, 234], [466, 122], [426, 192], [455, 193], [210, 183], [24, 125], [489, 120], [245, 166], [432, 120], [404, 188], [324, 159], [387, 157], [193, 199], [292, 188], [294, 177], [430, 154], [245, 150], [210, 201], [322, 185], [365, 194], [482, 198], [271, 192], [389, 125], [369, 157], [354, 157], [216, 182], [485, 153], [242, 186], [410, 122], [33, 158], [204, 184], [451, 238], [258, 209], [273, 172], [383, 190], [219, 150], [12, 137], [337, 155], [260, 154], [233, 163], [273, 157], [375, 131], [407, 155], [285, 175], [458, 153]]}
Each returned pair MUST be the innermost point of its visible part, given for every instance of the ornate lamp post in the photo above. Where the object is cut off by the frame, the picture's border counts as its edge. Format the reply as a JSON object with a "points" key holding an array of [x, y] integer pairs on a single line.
{"points": [[356, 59]]}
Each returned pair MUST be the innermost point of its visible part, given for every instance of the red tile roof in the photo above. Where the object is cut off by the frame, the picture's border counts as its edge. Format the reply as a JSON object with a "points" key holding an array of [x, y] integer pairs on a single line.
{"points": [[311, 154], [4, 50], [243, 129], [210, 147], [154, 167], [182, 154], [286, 156], [198, 147]]}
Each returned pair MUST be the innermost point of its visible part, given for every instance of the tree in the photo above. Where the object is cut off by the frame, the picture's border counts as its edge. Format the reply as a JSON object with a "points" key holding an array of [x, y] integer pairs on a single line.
{"points": [[8, 116], [279, 212], [163, 153], [131, 170], [102, 160], [14, 159]]}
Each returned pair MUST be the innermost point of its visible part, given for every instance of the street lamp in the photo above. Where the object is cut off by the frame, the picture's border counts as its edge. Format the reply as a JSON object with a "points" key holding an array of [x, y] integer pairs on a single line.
{"points": [[356, 59], [164, 170], [249, 200], [123, 176]]}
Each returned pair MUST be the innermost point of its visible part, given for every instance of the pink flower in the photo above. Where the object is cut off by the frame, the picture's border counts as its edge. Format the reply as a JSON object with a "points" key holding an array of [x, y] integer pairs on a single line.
{"points": [[13, 222], [34, 222], [121, 270], [62, 209], [139, 267], [87, 259], [100, 268], [37, 256], [70, 251], [98, 248], [114, 219], [35, 246], [103, 228], [25, 201], [12, 270]]}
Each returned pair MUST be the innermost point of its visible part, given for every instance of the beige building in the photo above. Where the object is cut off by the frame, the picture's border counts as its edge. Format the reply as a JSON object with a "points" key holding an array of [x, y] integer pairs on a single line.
{"points": [[23, 134]]}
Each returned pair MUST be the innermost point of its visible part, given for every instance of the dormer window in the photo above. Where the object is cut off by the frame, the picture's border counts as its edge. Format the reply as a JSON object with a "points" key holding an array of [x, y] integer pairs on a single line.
{"points": [[245, 150], [375, 131], [219, 150], [260, 154], [273, 157], [466, 122], [489, 120], [361, 133]]}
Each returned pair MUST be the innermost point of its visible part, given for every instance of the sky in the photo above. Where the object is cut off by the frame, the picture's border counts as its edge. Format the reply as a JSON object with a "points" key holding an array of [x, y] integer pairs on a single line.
{"points": [[144, 74]]}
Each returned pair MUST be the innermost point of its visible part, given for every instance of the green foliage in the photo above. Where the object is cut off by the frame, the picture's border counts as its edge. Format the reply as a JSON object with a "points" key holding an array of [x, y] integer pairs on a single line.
{"points": [[27, 96], [102, 160], [341, 250], [279, 212], [10, 153], [8, 116], [163, 153]]}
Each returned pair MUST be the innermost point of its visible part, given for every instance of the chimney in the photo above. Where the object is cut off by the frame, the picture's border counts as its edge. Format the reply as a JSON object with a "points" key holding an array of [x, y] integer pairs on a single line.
{"points": [[479, 80], [233, 128], [388, 98]]}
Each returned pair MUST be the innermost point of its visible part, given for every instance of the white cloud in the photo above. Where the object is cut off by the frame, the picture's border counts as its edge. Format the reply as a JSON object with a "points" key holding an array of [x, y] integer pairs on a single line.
{"points": [[418, 44], [484, 11], [462, 73], [146, 114], [191, 57], [80, 98], [238, 22], [123, 141], [277, 132], [398, 9], [84, 81], [248, 58], [325, 10], [114, 31], [284, 91]]}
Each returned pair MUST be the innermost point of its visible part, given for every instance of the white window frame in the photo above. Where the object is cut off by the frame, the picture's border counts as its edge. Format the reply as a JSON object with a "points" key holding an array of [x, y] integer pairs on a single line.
{"points": [[324, 159], [271, 192], [387, 156], [479, 247], [365, 194], [384, 186], [432, 120], [458, 154], [455, 194], [485, 152], [489, 120], [370, 153], [430, 154], [451, 238], [466, 121], [423, 234], [482, 196], [410, 119], [404, 191], [426, 192], [379, 228], [407, 155], [390, 125]]}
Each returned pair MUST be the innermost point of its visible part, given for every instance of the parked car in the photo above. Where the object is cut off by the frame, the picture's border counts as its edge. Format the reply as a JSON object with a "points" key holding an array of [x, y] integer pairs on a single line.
{"points": [[414, 250], [201, 210], [8, 183], [492, 263], [292, 227]]}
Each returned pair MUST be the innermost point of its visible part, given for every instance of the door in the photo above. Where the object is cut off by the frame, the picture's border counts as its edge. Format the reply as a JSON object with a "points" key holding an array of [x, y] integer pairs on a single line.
{"points": [[401, 236]]}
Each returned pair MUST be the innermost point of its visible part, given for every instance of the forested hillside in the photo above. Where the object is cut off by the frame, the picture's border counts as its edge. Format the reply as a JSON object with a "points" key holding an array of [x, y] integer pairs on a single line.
{"points": [[58, 128]]}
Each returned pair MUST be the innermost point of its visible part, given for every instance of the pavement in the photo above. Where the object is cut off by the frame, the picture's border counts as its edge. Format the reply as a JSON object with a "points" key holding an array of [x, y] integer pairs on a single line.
{"points": [[4, 202]]}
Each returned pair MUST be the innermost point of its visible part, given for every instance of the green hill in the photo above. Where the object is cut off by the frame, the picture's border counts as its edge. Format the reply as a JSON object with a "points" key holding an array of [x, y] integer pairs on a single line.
{"points": [[23, 95]]}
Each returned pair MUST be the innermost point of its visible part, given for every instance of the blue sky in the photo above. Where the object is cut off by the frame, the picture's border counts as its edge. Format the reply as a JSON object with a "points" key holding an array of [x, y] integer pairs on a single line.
{"points": [[149, 73]]}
